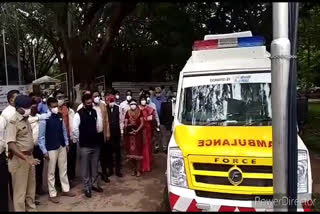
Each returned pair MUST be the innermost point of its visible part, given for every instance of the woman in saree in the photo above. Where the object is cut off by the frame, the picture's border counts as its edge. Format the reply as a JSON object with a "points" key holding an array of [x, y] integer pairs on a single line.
{"points": [[133, 125], [148, 114]]}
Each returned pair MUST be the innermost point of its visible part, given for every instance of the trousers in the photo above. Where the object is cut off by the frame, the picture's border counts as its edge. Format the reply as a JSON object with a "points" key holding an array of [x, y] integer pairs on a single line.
{"points": [[60, 156], [37, 153], [4, 183], [111, 152], [162, 138], [89, 166], [72, 160], [23, 184]]}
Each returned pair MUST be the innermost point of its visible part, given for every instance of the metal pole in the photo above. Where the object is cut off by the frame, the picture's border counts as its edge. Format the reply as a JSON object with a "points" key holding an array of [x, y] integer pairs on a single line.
{"points": [[280, 64], [70, 69], [18, 51], [5, 56], [34, 63]]}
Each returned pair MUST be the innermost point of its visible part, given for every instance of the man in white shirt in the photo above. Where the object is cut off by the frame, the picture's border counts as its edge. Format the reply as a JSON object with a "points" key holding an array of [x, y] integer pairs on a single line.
{"points": [[124, 107], [5, 117]]}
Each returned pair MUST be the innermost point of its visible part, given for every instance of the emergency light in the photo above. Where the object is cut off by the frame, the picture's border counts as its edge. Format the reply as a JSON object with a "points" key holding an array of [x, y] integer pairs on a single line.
{"points": [[228, 43]]}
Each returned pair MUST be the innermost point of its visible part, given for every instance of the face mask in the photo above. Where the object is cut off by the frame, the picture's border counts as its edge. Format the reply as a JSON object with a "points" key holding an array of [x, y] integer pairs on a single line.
{"points": [[143, 102], [117, 97], [129, 98], [89, 107], [60, 102], [96, 100], [111, 104], [55, 110], [133, 107], [44, 100], [148, 99], [26, 112]]}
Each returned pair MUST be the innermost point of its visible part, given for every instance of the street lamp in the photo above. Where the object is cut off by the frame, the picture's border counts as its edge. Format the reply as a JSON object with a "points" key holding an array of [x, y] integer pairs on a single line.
{"points": [[34, 42]]}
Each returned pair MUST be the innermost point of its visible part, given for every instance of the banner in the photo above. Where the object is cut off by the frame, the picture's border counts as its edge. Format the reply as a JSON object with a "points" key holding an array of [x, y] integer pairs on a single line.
{"points": [[4, 89]]}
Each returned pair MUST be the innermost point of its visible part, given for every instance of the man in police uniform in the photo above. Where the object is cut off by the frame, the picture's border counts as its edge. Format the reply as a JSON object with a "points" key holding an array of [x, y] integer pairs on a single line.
{"points": [[21, 162]]}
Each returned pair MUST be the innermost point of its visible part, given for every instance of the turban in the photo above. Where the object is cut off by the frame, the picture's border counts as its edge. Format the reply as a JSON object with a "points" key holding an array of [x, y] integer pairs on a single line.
{"points": [[111, 99]]}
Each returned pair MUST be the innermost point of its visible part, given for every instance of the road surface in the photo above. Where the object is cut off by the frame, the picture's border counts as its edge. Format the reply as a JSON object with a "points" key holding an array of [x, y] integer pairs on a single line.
{"points": [[122, 194]]}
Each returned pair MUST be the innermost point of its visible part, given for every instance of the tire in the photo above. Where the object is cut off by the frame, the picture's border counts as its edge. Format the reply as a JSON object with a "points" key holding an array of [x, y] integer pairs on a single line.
{"points": [[165, 203]]}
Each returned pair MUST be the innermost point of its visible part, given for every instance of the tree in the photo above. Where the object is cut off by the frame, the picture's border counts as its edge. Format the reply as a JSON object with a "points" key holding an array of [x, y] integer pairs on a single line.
{"points": [[309, 46], [95, 25], [18, 32]]}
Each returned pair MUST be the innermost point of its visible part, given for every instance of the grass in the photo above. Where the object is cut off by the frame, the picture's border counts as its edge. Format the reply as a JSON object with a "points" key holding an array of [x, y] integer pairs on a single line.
{"points": [[311, 137], [311, 131]]}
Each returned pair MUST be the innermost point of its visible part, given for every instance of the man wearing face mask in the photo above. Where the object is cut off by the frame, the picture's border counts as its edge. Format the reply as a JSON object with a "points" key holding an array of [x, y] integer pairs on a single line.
{"points": [[117, 98], [22, 164], [81, 104], [42, 106], [54, 143], [63, 109], [85, 132], [124, 107], [158, 99], [103, 130], [114, 147]]}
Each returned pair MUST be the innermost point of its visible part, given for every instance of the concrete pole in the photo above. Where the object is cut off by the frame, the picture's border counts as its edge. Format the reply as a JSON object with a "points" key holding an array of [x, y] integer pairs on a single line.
{"points": [[280, 65], [5, 55]]}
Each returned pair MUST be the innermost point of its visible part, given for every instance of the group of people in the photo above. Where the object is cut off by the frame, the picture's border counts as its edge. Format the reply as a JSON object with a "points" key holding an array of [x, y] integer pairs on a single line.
{"points": [[37, 129]]}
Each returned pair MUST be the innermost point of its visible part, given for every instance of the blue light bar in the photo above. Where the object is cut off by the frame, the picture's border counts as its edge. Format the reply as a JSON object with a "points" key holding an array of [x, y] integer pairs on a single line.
{"points": [[251, 41]]}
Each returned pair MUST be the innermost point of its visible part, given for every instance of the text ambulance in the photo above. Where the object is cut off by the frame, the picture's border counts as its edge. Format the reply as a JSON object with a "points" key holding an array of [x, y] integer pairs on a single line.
{"points": [[220, 152]]}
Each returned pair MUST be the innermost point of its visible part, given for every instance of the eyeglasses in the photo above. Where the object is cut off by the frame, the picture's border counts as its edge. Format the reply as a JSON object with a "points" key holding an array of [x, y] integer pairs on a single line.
{"points": [[60, 97]]}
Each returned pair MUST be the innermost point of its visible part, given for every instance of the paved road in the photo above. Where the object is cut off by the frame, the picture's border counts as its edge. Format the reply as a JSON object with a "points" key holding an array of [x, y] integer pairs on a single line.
{"points": [[122, 194]]}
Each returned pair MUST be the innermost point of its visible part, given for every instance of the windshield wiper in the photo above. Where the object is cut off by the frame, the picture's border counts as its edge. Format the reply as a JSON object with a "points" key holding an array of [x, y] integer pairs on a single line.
{"points": [[220, 121], [250, 123]]}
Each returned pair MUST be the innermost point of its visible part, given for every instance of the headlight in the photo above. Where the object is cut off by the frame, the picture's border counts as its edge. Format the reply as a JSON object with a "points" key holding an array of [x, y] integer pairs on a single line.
{"points": [[302, 171], [177, 170]]}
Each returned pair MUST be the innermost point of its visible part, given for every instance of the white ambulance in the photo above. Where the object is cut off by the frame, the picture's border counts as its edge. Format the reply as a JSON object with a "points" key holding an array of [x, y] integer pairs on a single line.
{"points": [[220, 152]]}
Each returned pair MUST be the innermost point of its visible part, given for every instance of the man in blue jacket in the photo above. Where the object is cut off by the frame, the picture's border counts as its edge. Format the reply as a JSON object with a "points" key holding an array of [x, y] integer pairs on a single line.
{"points": [[160, 137], [53, 141]]}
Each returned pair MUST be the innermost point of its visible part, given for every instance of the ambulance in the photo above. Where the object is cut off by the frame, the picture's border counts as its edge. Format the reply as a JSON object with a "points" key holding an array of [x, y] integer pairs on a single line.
{"points": [[220, 152]]}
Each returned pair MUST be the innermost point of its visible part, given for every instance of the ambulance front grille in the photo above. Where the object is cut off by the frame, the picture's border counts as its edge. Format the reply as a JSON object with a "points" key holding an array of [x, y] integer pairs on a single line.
{"points": [[255, 173], [226, 167], [225, 181]]}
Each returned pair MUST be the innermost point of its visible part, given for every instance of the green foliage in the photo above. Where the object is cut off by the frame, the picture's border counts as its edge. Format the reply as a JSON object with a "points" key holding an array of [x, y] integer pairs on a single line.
{"points": [[309, 46]]}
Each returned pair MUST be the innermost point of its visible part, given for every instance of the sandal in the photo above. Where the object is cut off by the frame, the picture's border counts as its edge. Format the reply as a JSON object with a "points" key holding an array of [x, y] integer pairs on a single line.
{"points": [[138, 174]]}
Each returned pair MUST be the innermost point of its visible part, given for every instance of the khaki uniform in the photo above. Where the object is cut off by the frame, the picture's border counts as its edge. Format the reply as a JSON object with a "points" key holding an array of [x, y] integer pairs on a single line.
{"points": [[23, 175]]}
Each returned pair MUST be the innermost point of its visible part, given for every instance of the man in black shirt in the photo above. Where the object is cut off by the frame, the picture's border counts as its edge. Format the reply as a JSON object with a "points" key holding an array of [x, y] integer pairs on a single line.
{"points": [[85, 132], [114, 121]]}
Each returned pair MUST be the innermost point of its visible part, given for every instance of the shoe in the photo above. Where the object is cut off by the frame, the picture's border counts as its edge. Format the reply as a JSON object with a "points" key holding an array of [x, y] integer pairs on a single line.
{"points": [[105, 179], [37, 202], [87, 193], [110, 173], [40, 192], [68, 194], [119, 174], [97, 189], [54, 199]]}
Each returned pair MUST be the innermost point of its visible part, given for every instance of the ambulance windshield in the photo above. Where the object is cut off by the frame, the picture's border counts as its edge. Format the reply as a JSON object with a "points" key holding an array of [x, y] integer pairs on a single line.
{"points": [[227, 100]]}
